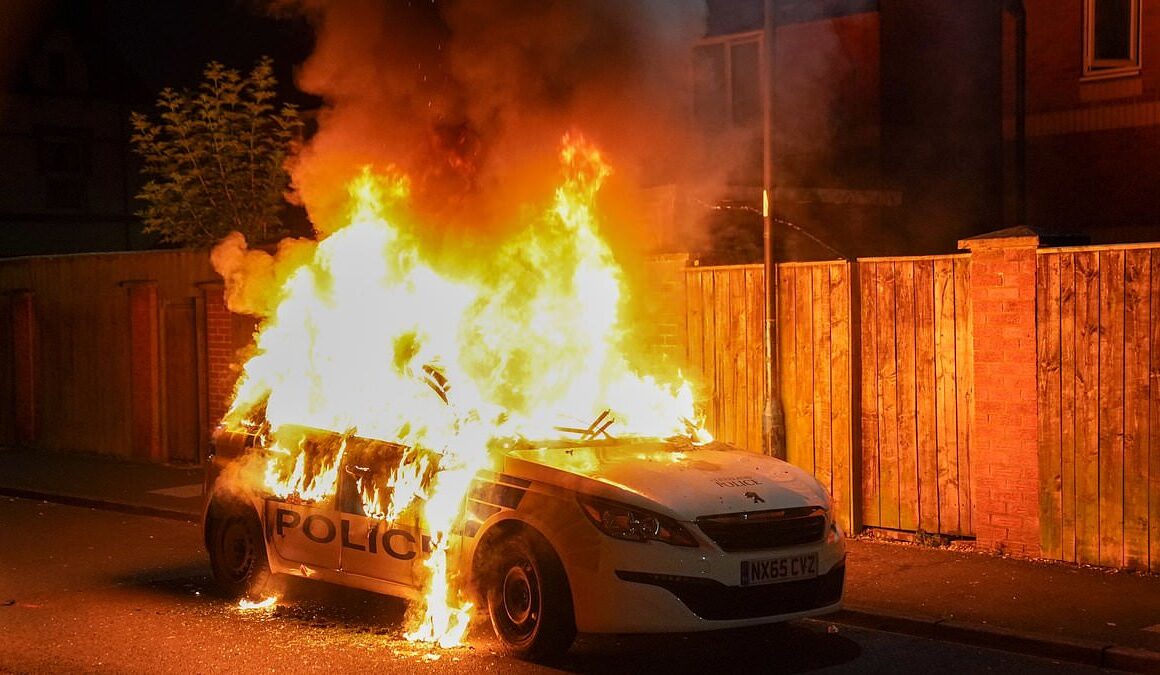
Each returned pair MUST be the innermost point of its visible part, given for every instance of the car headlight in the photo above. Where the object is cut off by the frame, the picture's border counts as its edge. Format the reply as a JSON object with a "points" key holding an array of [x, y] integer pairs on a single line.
{"points": [[630, 523]]}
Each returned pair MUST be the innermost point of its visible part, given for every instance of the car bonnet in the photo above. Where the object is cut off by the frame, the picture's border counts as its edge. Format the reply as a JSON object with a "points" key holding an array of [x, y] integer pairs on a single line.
{"points": [[681, 481]]}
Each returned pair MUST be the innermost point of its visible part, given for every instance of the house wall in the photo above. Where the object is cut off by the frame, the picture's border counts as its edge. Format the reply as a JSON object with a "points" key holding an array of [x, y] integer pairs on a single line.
{"points": [[1091, 143]]}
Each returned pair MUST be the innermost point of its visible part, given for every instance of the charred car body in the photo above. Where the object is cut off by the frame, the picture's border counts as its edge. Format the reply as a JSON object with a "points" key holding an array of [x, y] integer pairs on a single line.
{"points": [[601, 536]]}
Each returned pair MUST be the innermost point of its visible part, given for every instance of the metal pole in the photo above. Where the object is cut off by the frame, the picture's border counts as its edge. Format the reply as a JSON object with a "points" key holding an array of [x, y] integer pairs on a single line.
{"points": [[774, 417]]}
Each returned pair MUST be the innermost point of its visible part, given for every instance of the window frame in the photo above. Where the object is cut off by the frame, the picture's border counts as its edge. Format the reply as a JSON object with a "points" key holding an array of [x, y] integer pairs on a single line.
{"points": [[1097, 69], [727, 42]]}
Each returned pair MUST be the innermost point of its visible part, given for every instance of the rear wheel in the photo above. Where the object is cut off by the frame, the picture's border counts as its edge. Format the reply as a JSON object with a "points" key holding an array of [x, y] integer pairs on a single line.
{"points": [[528, 599], [237, 553]]}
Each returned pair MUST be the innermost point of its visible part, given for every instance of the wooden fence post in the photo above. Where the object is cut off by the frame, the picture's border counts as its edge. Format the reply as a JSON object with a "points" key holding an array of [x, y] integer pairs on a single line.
{"points": [[145, 371], [1005, 459]]}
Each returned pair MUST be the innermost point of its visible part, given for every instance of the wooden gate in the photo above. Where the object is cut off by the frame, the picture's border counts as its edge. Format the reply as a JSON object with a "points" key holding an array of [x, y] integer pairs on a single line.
{"points": [[917, 393], [184, 429], [1098, 345]]}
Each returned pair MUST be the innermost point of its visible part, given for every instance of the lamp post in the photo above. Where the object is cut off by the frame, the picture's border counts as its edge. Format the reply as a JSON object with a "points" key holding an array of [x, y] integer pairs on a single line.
{"points": [[774, 421]]}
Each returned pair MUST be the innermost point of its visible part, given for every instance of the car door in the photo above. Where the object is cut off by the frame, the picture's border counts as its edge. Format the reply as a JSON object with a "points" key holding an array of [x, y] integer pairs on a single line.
{"points": [[304, 533], [369, 545], [307, 532]]}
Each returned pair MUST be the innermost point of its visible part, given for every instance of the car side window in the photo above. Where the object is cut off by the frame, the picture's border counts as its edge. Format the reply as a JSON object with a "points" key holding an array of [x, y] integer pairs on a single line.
{"points": [[364, 480]]}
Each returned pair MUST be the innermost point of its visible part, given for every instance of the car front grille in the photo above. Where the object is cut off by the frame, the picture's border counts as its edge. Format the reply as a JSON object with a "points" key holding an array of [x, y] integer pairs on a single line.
{"points": [[715, 601], [765, 529]]}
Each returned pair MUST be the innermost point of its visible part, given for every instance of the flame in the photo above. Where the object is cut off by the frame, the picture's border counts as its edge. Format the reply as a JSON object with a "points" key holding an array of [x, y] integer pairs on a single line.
{"points": [[250, 605], [367, 339]]}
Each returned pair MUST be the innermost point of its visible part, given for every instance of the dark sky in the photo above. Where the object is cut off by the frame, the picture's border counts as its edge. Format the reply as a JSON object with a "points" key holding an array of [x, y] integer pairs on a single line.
{"points": [[168, 42]]}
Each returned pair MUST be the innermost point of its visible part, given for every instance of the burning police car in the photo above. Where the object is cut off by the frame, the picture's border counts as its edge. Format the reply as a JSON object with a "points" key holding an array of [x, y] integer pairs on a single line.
{"points": [[593, 535]]}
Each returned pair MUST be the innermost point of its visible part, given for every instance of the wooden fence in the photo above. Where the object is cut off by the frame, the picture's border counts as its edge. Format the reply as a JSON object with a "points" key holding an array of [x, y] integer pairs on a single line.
{"points": [[725, 324], [82, 358], [1098, 346], [917, 378], [725, 314], [817, 368]]}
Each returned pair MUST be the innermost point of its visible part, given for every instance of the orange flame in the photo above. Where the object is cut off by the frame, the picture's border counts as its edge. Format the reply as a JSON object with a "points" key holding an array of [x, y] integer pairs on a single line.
{"points": [[368, 338]]}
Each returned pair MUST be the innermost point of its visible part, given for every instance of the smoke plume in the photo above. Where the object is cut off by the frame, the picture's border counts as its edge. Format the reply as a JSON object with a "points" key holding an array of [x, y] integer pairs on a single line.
{"points": [[470, 98]]}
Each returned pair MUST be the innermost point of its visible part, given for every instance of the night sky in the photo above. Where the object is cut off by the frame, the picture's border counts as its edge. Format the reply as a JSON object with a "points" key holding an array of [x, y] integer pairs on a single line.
{"points": [[166, 43]]}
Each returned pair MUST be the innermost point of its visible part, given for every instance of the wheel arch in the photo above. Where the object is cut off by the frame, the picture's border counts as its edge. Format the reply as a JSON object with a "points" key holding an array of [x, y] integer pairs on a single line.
{"points": [[499, 531]]}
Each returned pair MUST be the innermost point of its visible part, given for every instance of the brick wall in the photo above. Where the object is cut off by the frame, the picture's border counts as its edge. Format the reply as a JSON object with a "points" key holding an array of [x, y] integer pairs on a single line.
{"points": [[219, 349], [1004, 459], [663, 310]]}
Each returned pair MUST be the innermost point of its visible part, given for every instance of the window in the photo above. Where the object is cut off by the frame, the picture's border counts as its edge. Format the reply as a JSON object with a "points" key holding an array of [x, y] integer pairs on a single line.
{"points": [[727, 83], [1111, 37], [64, 166]]}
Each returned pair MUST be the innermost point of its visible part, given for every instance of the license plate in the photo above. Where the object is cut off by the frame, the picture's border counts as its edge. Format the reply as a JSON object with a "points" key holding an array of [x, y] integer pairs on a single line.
{"points": [[776, 570]]}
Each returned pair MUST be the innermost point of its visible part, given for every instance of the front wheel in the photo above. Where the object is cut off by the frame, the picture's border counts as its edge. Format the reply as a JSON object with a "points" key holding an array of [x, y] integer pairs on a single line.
{"points": [[237, 554], [528, 599]]}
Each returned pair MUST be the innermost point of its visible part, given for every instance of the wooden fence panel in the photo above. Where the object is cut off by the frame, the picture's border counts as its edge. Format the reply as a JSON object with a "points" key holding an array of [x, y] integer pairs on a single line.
{"points": [[815, 343], [918, 393], [725, 315], [82, 396], [1099, 407]]}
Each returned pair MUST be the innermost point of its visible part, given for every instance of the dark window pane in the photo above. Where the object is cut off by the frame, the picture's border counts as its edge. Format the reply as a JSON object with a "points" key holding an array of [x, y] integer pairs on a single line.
{"points": [[709, 92], [1113, 29], [746, 62]]}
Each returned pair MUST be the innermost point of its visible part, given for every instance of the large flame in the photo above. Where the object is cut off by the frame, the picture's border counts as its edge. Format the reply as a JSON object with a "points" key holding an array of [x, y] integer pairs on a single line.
{"points": [[368, 339]]}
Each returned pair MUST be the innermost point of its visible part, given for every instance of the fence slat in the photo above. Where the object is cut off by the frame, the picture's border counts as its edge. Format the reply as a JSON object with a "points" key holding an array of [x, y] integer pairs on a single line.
{"points": [[1068, 342], [946, 433], [907, 398], [887, 396], [925, 417], [709, 340], [694, 326], [1087, 413], [871, 494], [1047, 395], [842, 433], [1154, 417], [822, 368], [804, 382], [755, 302], [964, 388], [1137, 354], [1111, 420], [727, 346], [786, 338]]}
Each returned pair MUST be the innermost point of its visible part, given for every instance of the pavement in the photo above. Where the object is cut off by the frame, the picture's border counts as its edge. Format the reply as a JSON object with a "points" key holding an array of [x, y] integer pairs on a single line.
{"points": [[1080, 614]]}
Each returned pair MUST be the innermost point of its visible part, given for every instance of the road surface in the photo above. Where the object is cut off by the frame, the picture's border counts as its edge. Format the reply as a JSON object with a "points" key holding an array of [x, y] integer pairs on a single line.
{"points": [[99, 591]]}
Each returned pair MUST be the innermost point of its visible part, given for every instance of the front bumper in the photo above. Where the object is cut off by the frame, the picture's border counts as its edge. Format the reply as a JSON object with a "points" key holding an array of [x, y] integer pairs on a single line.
{"points": [[714, 601], [653, 587]]}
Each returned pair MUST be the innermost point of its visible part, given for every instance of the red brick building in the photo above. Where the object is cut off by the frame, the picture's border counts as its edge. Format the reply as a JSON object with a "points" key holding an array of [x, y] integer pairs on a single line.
{"points": [[902, 126], [1093, 118]]}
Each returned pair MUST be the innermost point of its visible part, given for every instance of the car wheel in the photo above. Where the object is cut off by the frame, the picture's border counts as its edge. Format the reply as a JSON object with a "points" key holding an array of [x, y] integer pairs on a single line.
{"points": [[237, 554], [528, 599]]}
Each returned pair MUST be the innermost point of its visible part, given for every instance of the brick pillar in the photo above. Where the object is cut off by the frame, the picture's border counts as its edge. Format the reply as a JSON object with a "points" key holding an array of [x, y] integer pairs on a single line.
{"points": [[666, 310], [22, 306], [219, 349], [144, 371], [1004, 450]]}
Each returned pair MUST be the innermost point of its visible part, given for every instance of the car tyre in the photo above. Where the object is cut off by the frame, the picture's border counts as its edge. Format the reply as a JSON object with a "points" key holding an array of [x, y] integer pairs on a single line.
{"points": [[528, 598], [237, 554]]}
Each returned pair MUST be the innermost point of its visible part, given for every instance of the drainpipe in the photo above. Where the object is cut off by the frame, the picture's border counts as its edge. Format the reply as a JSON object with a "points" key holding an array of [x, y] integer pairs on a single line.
{"points": [[774, 421]]}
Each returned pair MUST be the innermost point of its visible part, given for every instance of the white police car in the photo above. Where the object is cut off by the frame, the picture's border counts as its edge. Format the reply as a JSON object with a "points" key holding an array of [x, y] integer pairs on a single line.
{"points": [[605, 536]]}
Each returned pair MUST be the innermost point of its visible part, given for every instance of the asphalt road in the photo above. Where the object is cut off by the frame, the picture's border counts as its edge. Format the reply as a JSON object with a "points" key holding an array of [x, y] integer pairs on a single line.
{"points": [[98, 591]]}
